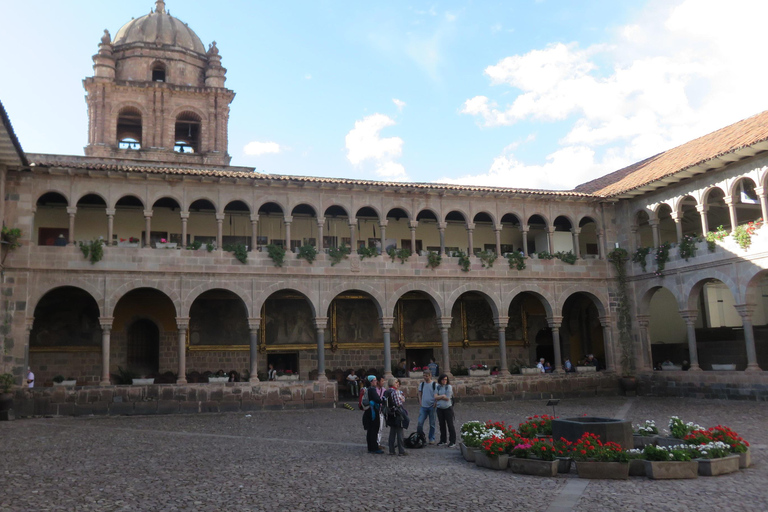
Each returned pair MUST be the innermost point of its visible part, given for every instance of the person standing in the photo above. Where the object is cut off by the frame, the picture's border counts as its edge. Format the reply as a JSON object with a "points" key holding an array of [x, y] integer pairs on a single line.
{"points": [[354, 383], [444, 401], [395, 418], [433, 367], [371, 417], [30, 378], [427, 401], [381, 389]]}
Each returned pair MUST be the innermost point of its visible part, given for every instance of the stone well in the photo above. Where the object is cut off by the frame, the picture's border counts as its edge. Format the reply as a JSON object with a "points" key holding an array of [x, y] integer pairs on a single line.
{"points": [[609, 429]]}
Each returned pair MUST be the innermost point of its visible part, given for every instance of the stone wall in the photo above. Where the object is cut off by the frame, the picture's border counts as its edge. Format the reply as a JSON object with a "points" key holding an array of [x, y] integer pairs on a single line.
{"points": [[729, 385]]}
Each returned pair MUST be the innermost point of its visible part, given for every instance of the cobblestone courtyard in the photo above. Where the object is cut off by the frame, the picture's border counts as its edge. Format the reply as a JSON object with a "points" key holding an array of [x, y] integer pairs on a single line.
{"points": [[316, 460]]}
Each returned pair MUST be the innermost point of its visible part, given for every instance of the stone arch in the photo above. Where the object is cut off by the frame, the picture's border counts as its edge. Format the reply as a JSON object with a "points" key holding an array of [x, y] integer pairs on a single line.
{"points": [[547, 222], [432, 295], [94, 193], [337, 205], [261, 297], [749, 294], [166, 289], [306, 202], [191, 201], [647, 292], [399, 206], [462, 211], [540, 293], [188, 108], [597, 296], [220, 209], [267, 200], [486, 212], [375, 209], [130, 194], [55, 191], [567, 217], [488, 293], [89, 288], [197, 291], [693, 286], [376, 296], [154, 198], [585, 219], [130, 104]]}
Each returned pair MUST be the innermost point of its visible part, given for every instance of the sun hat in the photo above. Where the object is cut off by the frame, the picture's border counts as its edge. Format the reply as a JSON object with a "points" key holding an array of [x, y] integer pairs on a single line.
{"points": [[371, 378]]}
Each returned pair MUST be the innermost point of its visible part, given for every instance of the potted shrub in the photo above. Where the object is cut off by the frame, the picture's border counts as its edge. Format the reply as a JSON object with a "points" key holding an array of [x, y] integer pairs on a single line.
{"points": [[218, 376], [737, 444], [287, 375], [59, 380], [645, 434], [479, 370], [6, 398], [495, 450], [678, 429], [563, 456], [595, 459], [129, 242], [536, 426], [143, 381], [636, 462], [416, 372], [715, 459], [470, 439], [668, 463], [537, 458]]}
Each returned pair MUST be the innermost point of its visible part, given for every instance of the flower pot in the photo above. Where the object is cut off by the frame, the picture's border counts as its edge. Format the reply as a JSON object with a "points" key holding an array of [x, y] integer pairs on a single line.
{"points": [[671, 367], [641, 442], [127, 244], [721, 466], [564, 464], [637, 467], [723, 367], [220, 379], [467, 452], [668, 441], [583, 369], [484, 461], [67, 383], [535, 467], [603, 470], [142, 382], [167, 245], [295, 376], [479, 373], [415, 375], [745, 459], [671, 470], [530, 371]]}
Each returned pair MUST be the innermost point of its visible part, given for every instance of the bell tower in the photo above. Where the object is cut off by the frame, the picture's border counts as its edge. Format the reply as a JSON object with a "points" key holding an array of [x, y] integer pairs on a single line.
{"points": [[158, 95]]}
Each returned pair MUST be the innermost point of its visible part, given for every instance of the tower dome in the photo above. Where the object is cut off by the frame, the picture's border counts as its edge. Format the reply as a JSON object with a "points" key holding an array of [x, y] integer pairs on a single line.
{"points": [[160, 29]]}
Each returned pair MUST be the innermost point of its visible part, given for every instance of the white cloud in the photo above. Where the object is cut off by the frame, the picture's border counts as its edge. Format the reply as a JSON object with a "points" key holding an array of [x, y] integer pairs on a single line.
{"points": [[672, 74], [257, 148], [307, 77], [368, 151], [399, 103]]}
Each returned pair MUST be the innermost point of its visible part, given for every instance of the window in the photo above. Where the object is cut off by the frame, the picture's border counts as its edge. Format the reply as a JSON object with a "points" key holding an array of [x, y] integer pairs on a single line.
{"points": [[158, 72], [129, 128], [187, 133]]}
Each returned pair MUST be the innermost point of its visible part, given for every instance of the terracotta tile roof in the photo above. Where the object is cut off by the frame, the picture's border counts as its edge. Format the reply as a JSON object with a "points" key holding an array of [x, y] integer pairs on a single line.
{"points": [[102, 164], [10, 148], [739, 140]]}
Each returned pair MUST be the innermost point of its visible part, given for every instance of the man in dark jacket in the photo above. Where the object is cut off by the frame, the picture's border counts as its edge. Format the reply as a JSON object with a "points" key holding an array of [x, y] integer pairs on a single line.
{"points": [[371, 418]]}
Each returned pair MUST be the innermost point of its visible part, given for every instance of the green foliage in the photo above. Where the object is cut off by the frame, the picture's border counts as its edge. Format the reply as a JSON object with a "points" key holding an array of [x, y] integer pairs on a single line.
{"points": [[460, 370], [241, 253], [6, 382], [209, 247], [11, 237], [712, 237], [403, 255], [640, 256], [58, 379], [93, 250], [277, 253], [544, 255], [463, 261], [433, 261], [662, 453], [662, 257], [619, 258], [687, 247], [367, 252], [307, 252], [338, 253], [487, 258], [566, 257], [516, 260], [195, 245], [124, 377], [743, 234]]}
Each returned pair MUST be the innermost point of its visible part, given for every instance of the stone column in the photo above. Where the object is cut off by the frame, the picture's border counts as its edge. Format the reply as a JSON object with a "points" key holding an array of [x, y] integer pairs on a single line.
{"points": [[689, 316], [253, 326], [183, 324], [470, 239], [184, 221], [678, 219], [745, 311], [608, 345], [386, 325], [554, 324], [731, 211], [525, 240], [501, 326], [110, 225], [29, 323], [219, 229], [646, 360], [412, 225], [761, 194], [147, 227], [655, 230], [601, 244], [320, 224], [254, 231], [634, 241], [445, 323], [71, 210], [576, 247], [551, 239], [702, 209], [353, 235], [383, 226], [288, 220], [106, 328], [441, 230], [320, 323], [497, 232]]}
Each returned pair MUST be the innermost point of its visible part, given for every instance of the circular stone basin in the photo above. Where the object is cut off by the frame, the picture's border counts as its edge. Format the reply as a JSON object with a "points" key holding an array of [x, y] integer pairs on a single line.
{"points": [[609, 429]]}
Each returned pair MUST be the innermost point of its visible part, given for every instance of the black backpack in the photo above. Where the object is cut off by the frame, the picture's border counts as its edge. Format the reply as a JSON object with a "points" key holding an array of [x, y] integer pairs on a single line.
{"points": [[416, 440]]}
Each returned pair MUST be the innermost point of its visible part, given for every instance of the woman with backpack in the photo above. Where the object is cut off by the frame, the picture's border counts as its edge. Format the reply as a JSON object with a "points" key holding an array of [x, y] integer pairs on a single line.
{"points": [[395, 417], [444, 400]]}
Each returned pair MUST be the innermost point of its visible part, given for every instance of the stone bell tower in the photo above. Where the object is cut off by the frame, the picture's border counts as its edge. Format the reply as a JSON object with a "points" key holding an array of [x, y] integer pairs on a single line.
{"points": [[157, 95]]}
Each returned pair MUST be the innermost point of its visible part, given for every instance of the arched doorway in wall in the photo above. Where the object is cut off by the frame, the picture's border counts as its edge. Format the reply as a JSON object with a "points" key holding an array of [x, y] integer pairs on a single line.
{"points": [[51, 220], [91, 218], [219, 335], [667, 229], [562, 238], [271, 226], [588, 241], [745, 201], [427, 233], [288, 334], [415, 331], [237, 228], [368, 229], [717, 211], [337, 231], [304, 225], [166, 223], [581, 332], [719, 328], [202, 225], [144, 337], [129, 224], [456, 238], [484, 234], [356, 339], [667, 331], [143, 346], [690, 220], [397, 228], [511, 237], [538, 238], [528, 335], [473, 328], [66, 336]]}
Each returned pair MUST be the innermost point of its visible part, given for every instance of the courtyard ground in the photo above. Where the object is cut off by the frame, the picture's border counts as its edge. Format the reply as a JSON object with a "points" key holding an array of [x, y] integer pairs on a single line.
{"points": [[317, 460]]}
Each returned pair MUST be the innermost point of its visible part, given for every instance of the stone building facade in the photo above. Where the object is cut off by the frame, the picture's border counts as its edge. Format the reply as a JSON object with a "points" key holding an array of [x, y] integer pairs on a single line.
{"points": [[461, 274]]}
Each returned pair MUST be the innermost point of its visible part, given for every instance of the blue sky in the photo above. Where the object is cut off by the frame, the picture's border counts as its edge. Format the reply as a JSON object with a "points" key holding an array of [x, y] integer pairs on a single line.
{"points": [[543, 94]]}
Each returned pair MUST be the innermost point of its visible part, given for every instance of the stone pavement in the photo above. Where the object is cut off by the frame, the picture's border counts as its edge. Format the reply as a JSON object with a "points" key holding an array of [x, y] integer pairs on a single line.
{"points": [[316, 460]]}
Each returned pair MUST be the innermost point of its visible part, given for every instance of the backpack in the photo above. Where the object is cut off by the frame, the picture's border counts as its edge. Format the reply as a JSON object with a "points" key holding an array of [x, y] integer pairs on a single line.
{"points": [[363, 403], [416, 440]]}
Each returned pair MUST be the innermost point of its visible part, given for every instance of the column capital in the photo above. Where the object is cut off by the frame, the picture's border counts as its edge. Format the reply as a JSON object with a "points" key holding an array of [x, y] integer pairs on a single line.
{"points": [[353, 223], [148, 213], [653, 222], [760, 191], [554, 321], [383, 223], [728, 200], [576, 231], [254, 217], [498, 227], [525, 229], [110, 212], [321, 322], [676, 216], [288, 219], [644, 320], [702, 208], [387, 322], [444, 322], [184, 215], [220, 217], [551, 229], [470, 226], [501, 322], [689, 315], [441, 226], [604, 320], [321, 222], [254, 323], [106, 322], [182, 322], [29, 323], [413, 224], [745, 310], [71, 210]]}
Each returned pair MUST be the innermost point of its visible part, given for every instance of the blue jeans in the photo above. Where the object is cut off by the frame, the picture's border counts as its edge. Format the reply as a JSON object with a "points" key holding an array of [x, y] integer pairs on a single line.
{"points": [[423, 413]]}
